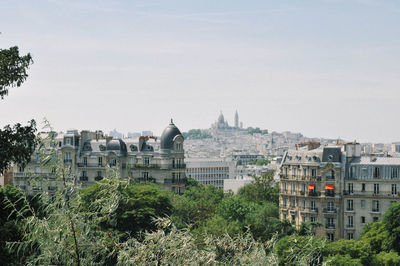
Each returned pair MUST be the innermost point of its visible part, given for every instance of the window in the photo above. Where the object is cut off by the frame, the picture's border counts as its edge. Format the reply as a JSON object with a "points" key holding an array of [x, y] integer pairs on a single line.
{"points": [[312, 205], [312, 219], [352, 171], [329, 223], [21, 169], [350, 187], [85, 161], [293, 189], [375, 219], [99, 173], [285, 202], [313, 172], [375, 205], [330, 236], [362, 203], [330, 175], [350, 221], [294, 172], [293, 203], [284, 188], [330, 206], [145, 175], [304, 188], [350, 236], [84, 173], [363, 219], [68, 141], [146, 160], [394, 173], [363, 187], [67, 157], [284, 216], [349, 205], [394, 189], [304, 172], [286, 172], [113, 162], [304, 204], [293, 218], [100, 161], [376, 188], [377, 172]]}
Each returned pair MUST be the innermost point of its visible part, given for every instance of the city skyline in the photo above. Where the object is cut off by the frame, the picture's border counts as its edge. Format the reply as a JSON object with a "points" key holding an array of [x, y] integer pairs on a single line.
{"points": [[325, 69]]}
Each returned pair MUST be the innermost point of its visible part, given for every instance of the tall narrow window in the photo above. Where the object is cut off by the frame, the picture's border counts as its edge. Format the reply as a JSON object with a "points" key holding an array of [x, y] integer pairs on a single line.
{"points": [[100, 161], [377, 172], [349, 205], [394, 173], [376, 188], [394, 189], [375, 205], [350, 187]]}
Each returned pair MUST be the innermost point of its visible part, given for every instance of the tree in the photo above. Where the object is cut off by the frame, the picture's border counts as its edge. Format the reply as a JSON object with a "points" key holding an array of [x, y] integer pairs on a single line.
{"points": [[391, 222], [197, 204], [355, 249], [16, 143], [136, 205], [12, 69], [262, 189]]}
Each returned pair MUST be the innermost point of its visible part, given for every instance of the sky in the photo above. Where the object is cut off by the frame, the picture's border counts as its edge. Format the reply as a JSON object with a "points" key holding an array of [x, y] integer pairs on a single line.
{"points": [[325, 68]]}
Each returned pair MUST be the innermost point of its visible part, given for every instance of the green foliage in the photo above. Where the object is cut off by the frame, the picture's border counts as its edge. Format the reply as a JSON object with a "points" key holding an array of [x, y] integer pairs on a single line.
{"points": [[376, 236], [17, 144], [262, 189], [136, 205], [355, 249], [235, 209], [391, 222], [391, 258], [12, 69], [178, 247], [342, 260], [197, 204], [9, 227], [196, 134], [300, 250]]}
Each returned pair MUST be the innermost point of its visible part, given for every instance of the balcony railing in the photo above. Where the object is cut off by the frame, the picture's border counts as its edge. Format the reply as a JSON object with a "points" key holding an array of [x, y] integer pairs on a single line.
{"points": [[34, 175], [375, 209], [176, 181], [179, 166], [90, 165], [330, 226], [313, 209], [98, 178], [314, 193], [349, 225], [330, 210], [153, 165], [83, 178], [67, 161], [329, 194]]}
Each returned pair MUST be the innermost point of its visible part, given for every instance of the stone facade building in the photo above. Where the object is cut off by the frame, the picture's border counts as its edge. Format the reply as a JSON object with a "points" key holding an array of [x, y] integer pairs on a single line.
{"points": [[336, 187], [90, 154]]}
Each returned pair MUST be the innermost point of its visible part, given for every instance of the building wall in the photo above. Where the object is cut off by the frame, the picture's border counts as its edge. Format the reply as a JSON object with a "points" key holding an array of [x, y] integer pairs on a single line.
{"points": [[210, 171]]}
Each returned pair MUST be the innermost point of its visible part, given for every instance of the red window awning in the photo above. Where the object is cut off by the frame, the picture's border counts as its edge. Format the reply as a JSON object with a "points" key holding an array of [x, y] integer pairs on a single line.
{"points": [[330, 187], [311, 187]]}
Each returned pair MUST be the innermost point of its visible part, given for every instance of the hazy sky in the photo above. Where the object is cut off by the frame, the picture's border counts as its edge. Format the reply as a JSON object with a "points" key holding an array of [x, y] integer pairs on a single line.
{"points": [[327, 68]]}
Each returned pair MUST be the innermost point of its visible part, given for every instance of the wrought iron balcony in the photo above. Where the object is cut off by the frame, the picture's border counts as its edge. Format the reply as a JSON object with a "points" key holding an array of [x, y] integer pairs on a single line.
{"points": [[330, 210], [83, 178]]}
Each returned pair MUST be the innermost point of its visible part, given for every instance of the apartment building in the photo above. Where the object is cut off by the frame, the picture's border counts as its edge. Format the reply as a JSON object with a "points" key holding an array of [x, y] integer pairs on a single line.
{"points": [[311, 178], [90, 154], [336, 187]]}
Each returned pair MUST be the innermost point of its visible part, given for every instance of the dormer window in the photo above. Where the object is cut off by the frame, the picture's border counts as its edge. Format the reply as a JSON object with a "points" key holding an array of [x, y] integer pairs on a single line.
{"points": [[67, 141]]}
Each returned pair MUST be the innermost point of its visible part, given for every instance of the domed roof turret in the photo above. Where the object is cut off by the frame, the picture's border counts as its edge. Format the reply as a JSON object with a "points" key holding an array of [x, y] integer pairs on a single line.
{"points": [[168, 135], [116, 145]]}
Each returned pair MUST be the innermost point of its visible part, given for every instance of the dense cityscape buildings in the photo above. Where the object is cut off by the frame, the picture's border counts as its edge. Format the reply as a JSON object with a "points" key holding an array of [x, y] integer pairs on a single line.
{"points": [[340, 185]]}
